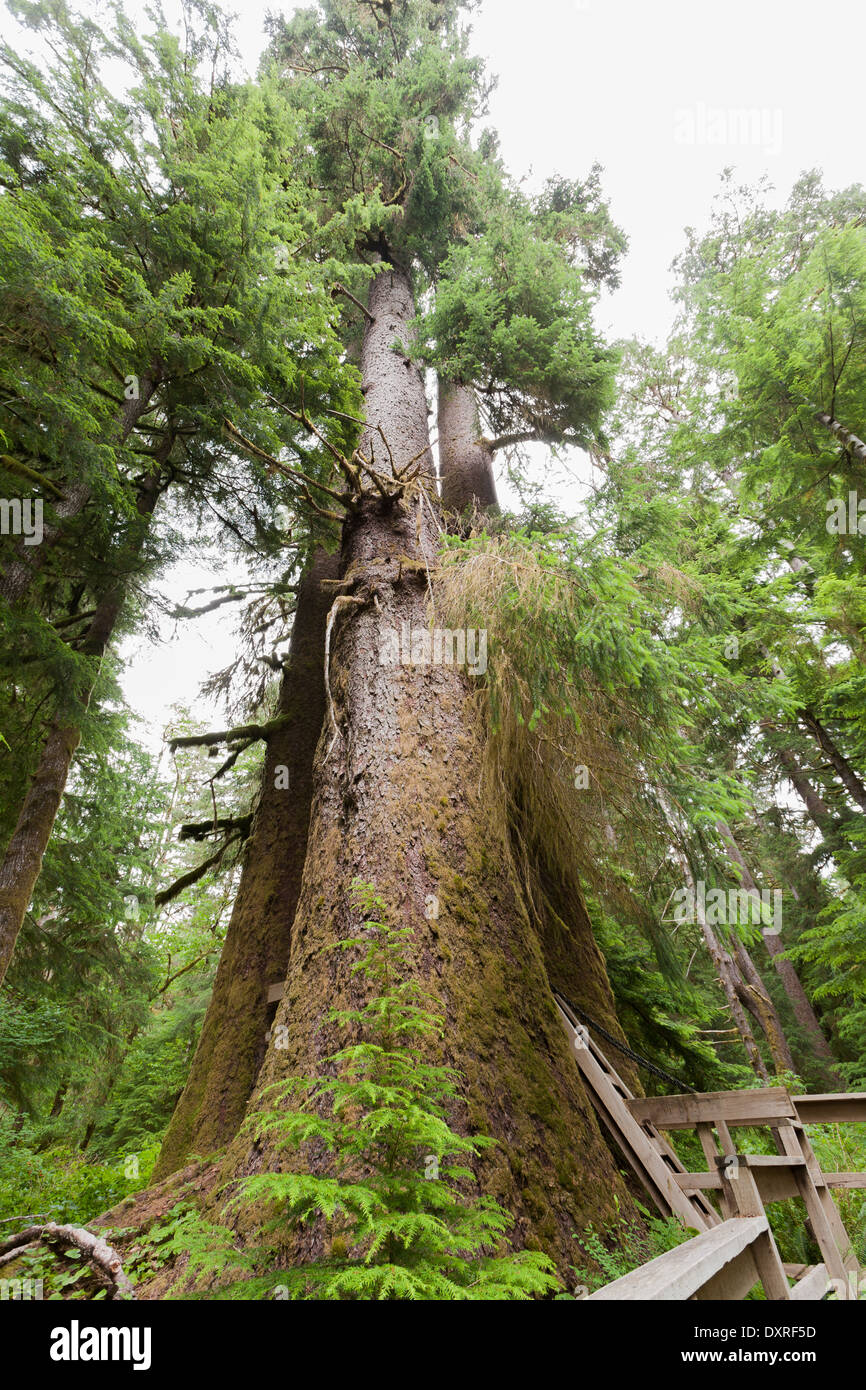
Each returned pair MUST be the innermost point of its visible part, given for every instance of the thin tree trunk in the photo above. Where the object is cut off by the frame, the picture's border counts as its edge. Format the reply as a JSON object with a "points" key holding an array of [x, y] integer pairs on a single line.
{"points": [[729, 980], [398, 802], [764, 1009], [59, 1098], [845, 436], [797, 997], [255, 955], [840, 764], [22, 861], [728, 975], [19, 574], [819, 812]]}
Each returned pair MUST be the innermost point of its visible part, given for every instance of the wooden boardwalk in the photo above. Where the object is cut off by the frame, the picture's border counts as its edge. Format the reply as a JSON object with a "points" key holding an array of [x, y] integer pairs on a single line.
{"points": [[733, 1248]]}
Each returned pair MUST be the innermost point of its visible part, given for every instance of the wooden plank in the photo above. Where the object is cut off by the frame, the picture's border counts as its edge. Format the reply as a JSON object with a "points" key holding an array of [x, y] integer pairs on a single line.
{"points": [[852, 1180], [710, 1146], [776, 1184], [813, 1285], [649, 1165], [275, 993], [772, 1161], [733, 1282], [681, 1273], [699, 1182], [838, 1107], [760, 1107], [774, 1177], [744, 1199], [827, 1226]]}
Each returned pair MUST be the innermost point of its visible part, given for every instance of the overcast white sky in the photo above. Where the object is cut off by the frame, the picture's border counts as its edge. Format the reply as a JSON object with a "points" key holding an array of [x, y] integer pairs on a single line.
{"points": [[653, 90]]}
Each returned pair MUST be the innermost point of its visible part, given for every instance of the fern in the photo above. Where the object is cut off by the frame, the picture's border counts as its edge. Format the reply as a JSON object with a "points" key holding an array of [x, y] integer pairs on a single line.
{"points": [[397, 1221]]}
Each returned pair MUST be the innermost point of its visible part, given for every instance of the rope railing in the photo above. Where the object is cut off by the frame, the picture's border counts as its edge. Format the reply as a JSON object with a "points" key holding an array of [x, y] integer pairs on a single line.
{"points": [[623, 1048]]}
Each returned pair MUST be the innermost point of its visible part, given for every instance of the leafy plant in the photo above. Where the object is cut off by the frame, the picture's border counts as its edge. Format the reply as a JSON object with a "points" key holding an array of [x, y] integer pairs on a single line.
{"points": [[625, 1245], [395, 1214]]}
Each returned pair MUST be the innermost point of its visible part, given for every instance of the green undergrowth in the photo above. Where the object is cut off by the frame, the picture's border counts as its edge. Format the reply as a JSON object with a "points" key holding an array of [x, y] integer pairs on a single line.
{"points": [[398, 1216], [61, 1183], [624, 1245]]}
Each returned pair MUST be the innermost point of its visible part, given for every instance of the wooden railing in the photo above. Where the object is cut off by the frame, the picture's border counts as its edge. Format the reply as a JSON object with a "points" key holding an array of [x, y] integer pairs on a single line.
{"points": [[734, 1248], [718, 1264]]}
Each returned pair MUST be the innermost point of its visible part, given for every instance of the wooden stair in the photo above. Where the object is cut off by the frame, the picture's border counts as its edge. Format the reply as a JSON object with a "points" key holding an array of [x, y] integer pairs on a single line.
{"points": [[726, 1265], [643, 1146]]}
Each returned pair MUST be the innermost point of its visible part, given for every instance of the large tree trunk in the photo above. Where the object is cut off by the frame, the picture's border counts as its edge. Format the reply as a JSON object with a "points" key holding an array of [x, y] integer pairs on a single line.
{"points": [[399, 802], [574, 963], [19, 574], [22, 861], [465, 461], [256, 950], [797, 997]]}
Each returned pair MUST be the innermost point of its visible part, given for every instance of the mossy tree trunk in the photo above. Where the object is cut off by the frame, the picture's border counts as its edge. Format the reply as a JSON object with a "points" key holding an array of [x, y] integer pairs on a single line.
{"points": [[572, 958], [255, 954], [754, 994], [399, 801]]}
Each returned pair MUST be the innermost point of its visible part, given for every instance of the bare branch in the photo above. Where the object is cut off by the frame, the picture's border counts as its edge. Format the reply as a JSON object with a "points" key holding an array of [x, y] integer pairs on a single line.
{"points": [[341, 289], [97, 1251]]}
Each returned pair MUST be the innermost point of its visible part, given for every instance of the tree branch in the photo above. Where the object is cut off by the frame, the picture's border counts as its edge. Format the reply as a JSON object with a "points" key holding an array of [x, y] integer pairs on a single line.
{"points": [[193, 875], [250, 732], [13, 466], [341, 289], [199, 830], [849, 440], [97, 1251]]}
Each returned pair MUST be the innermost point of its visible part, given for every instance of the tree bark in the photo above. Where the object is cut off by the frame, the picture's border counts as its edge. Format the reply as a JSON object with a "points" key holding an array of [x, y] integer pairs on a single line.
{"points": [[255, 954], [398, 802], [763, 1007], [574, 963], [22, 861], [848, 440], [16, 579], [819, 812], [728, 978], [465, 461]]}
